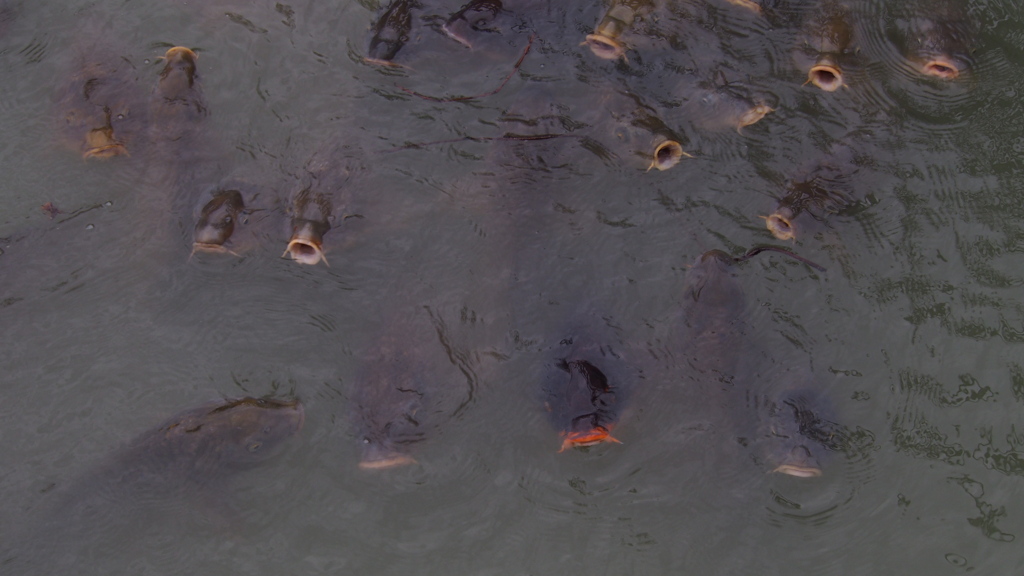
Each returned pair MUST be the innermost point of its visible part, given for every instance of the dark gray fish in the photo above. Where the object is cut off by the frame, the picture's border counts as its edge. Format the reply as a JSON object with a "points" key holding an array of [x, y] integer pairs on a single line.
{"points": [[391, 32], [791, 430], [405, 389], [825, 188], [937, 37], [797, 433], [328, 191], [714, 315], [178, 102], [217, 221], [828, 39], [190, 456], [582, 407], [103, 107]]}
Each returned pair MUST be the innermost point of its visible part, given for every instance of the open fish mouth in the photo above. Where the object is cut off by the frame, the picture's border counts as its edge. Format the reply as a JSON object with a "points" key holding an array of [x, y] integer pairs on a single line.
{"points": [[305, 251], [780, 226], [587, 438], [605, 47], [828, 77], [941, 67], [667, 154]]}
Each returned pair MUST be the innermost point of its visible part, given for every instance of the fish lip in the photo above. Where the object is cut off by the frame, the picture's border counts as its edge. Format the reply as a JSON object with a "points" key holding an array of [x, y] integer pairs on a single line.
{"points": [[780, 226], [389, 461], [106, 151], [667, 154], [209, 247], [940, 67], [591, 437], [605, 47], [305, 251], [828, 77], [798, 471]]}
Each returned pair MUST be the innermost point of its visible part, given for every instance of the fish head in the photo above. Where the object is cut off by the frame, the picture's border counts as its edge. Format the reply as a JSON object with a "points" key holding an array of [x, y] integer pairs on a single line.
{"points": [[216, 222], [941, 48]]}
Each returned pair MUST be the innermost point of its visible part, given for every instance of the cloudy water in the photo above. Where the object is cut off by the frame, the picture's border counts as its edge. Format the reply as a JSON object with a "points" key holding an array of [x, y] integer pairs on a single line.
{"points": [[481, 233]]}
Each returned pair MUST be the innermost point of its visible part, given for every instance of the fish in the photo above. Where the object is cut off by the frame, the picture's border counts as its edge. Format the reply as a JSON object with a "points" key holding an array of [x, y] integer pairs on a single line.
{"points": [[216, 222], [939, 39], [718, 107], [391, 32], [328, 189], [403, 390], [714, 317], [178, 104], [795, 432], [790, 427], [583, 406], [606, 40], [103, 106], [824, 188], [828, 39], [191, 456]]}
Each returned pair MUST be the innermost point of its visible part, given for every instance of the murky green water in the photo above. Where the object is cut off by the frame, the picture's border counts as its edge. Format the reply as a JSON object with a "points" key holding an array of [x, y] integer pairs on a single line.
{"points": [[484, 256]]}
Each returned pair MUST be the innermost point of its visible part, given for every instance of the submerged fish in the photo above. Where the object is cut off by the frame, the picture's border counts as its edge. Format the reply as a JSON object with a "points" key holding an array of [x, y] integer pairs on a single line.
{"points": [[789, 431], [795, 435], [178, 102], [190, 456], [216, 222], [828, 39], [103, 107], [403, 391], [715, 318], [583, 407], [391, 32]]}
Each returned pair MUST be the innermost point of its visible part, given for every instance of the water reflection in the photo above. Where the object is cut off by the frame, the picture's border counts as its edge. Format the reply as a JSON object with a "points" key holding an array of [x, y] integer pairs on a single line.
{"points": [[474, 253]]}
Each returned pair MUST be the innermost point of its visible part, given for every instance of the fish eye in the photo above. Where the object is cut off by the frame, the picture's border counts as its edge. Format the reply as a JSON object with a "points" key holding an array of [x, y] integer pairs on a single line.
{"points": [[267, 430], [254, 446]]}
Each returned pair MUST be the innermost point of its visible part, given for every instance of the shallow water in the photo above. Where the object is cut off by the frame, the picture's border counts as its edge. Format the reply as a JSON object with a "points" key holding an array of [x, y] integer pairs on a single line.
{"points": [[495, 253]]}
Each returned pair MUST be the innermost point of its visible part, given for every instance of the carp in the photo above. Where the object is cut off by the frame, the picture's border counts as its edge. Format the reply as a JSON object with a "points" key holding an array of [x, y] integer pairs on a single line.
{"points": [[824, 188], [828, 43], [391, 32], [606, 40], [328, 190], [103, 107], [583, 407], [217, 220]]}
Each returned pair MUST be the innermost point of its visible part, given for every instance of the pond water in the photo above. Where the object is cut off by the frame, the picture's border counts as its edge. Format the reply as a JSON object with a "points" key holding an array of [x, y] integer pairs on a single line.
{"points": [[489, 259]]}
